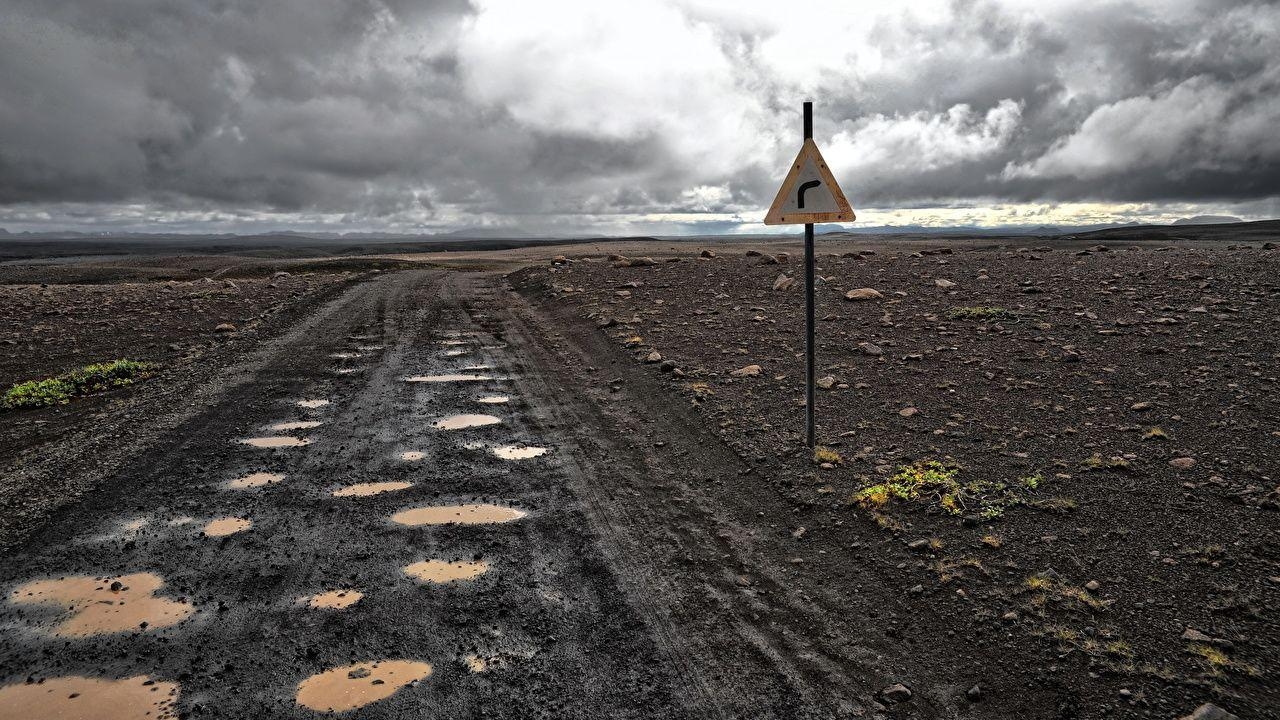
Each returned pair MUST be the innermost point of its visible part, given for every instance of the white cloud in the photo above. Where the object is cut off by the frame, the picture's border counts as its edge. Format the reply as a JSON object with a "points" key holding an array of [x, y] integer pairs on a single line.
{"points": [[922, 142]]}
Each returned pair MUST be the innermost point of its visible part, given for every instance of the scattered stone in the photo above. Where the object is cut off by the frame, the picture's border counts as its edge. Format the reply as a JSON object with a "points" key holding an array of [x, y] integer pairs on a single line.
{"points": [[783, 282], [225, 328], [1093, 586], [653, 357], [754, 253], [280, 274], [782, 258], [826, 383], [944, 284], [870, 349], [1140, 406], [907, 412], [1209, 711], [921, 544], [896, 693], [748, 371], [707, 254], [863, 294], [641, 262], [1182, 463], [1193, 635], [606, 322], [559, 260], [974, 693]]}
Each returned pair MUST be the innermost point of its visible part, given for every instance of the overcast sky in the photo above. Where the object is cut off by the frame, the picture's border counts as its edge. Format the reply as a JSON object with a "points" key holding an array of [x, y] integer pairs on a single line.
{"points": [[645, 116]]}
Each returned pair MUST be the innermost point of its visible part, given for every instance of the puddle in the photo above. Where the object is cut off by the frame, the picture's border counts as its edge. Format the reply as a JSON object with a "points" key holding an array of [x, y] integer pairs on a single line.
{"points": [[296, 425], [412, 455], [443, 571], [518, 452], [462, 422], [100, 606], [347, 371], [370, 348], [494, 399], [333, 599], [475, 663], [455, 353], [453, 342], [312, 404], [460, 514], [82, 698], [223, 527], [257, 479], [353, 686], [277, 441], [367, 489], [345, 355], [454, 377], [473, 368]]}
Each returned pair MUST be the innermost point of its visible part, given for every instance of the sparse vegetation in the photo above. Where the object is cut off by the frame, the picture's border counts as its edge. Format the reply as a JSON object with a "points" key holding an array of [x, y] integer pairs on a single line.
{"points": [[1217, 660], [61, 389], [1045, 588], [1097, 462], [938, 485], [1155, 433], [979, 312], [826, 455]]}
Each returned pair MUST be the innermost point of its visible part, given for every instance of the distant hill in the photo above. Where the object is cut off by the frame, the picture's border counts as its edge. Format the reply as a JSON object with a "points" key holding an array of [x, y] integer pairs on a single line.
{"points": [[1207, 220]]}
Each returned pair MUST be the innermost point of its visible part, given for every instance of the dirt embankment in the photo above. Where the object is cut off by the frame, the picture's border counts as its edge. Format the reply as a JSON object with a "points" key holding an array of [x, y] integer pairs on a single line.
{"points": [[1058, 465]]}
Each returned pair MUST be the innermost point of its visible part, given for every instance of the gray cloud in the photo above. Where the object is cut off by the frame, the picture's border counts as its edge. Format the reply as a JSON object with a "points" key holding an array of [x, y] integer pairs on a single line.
{"points": [[402, 114]]}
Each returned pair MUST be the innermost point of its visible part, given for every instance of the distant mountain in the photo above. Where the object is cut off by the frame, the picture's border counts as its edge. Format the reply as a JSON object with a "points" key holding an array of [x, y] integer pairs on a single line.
{"points": [[1207, 220]]}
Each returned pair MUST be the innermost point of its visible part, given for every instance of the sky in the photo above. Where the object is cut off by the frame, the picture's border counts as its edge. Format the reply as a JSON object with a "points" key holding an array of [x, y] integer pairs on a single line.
{"points": [[639, 117]]}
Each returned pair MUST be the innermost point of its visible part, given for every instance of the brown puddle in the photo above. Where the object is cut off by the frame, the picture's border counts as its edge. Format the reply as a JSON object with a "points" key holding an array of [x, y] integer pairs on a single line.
{"points": [[353, 686], [460, 514], [517, 452], [454, 377], [462, 422], [373, 488], [223, 527], [412, 455], [295, 425], [494, 399], [84, 698], [443, 571], [276, 441], [312, 404], [333, 599], [257, 479], [100, 606], [455, 353]]}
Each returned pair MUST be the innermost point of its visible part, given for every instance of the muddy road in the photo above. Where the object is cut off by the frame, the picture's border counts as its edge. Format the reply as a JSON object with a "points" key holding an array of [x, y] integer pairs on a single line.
{"points": [[403, 510]]}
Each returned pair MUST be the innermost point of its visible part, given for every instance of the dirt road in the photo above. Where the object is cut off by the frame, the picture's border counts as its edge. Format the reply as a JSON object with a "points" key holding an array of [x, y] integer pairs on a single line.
{"points": [[405, 510]]}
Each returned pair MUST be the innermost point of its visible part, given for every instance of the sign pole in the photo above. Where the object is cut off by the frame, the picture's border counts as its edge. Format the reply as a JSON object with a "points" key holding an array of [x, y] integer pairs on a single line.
{"points": [[808, 304]]}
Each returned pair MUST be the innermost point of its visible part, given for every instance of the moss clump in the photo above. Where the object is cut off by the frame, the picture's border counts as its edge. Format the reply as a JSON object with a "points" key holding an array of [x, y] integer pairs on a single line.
{"points": [[81, 381], [938, 486], [826, 455], [978, 312]]}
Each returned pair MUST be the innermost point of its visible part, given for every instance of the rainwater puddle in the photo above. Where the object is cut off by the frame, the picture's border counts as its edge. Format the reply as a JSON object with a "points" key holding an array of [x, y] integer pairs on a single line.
{"points": [[312, 404], [494, 400], [453, 342], [278, 441], [333, 599], [354, 686], [462, 422], [455, 353], [223, 527], [412, 455], [258, 479], [367, 489], [345, 355], [295, 425], [443, 571], [452, 377], [84, 698], [370, 348], [460, 514], [518, 452], [474, 368], [347, 371], [101, 606]]}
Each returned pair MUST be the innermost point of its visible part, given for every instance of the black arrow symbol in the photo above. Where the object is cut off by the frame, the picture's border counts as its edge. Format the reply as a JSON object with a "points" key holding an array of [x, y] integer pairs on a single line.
{"points": [[800, 194]]}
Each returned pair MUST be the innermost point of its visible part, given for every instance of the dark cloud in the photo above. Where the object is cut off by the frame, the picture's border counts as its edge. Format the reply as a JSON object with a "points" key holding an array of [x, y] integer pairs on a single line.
{"points": [[401, 113]]}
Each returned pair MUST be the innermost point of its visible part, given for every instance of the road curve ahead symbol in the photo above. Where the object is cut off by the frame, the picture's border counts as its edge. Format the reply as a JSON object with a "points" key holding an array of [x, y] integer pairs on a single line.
{"points": [[800, 193]]}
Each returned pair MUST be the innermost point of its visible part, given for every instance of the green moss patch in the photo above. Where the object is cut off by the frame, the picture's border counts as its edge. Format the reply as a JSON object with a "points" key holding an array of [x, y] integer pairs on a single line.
{"points": [[81, 381]]}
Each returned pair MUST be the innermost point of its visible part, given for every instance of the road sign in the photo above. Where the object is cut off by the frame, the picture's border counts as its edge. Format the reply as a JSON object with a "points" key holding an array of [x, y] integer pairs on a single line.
{"points": [[809, 194]]}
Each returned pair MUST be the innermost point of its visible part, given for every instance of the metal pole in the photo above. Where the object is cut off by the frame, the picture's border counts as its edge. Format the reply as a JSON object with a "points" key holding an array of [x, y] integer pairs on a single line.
{"points": [[808, 305]]}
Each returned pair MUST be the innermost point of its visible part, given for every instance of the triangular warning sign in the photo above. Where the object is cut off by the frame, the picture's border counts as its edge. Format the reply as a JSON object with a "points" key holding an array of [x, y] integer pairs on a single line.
{"points": [[809, 194]]}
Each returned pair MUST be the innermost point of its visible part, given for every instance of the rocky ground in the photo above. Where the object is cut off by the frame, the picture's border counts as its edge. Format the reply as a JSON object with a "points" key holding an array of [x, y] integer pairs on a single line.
{"points": [[1050, 481]]}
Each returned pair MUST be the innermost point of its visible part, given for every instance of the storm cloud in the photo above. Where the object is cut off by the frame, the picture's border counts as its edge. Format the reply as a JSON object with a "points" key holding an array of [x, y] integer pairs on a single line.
{"points": [[573, 116]]}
